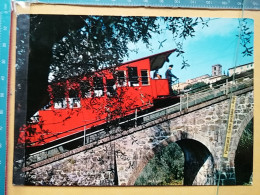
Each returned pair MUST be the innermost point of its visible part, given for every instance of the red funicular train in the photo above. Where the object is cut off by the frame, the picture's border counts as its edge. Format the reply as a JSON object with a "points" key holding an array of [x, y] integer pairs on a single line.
{"points": [[85, 102]]}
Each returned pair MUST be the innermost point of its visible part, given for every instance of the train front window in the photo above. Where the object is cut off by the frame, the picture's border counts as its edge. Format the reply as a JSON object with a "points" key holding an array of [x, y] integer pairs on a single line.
{"points": [[133, 76], [58, 92], [85, 89], [144, 76], [98, 86], [111, 87], [74, 100], [121, 78]]}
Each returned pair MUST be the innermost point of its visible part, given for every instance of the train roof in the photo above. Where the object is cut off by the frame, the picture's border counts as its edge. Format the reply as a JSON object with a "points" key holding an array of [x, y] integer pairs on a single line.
{"points": [[156, 60]]}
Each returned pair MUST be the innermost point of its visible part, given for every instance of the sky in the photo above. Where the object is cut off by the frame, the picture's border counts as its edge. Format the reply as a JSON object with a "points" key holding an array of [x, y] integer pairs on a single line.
{"points": [[216, 44]]}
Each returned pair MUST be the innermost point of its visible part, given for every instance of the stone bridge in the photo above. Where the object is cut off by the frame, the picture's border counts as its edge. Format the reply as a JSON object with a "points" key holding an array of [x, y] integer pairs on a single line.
{"points": [[200, 131]]}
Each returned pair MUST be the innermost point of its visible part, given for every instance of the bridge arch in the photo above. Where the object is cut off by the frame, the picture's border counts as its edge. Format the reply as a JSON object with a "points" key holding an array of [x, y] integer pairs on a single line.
{"points": [[243, 159], [204, 127], [198, 161], [249, 116], [196, 155]]}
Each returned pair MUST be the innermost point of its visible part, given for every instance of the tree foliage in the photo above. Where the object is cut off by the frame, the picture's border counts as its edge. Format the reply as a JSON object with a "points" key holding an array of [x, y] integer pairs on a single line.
{"points": [[66, 46], [196, 86], [245, 38], [60, 47], [103, 41], [166, 168]]}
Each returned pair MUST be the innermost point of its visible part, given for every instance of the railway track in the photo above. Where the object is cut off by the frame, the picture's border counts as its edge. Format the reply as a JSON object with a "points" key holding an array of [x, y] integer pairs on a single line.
{"points": [[102, 134]]}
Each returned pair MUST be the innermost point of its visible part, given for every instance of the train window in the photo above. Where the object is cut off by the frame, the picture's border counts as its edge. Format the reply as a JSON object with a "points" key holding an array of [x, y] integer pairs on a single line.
{"points": [[61, 103], [144, 77], [85, 89], [133, 76], [121, 78], [58, 93], [98, 86], [74, 101], [111, 87]]}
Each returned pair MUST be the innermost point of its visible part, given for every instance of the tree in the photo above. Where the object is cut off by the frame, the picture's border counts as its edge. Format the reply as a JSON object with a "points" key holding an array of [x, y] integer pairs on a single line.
{"points": [[245, 37], [197, 86], [59, 47], [166, 168], [66, 46], [103, 41], [37, 34], [55, 47]]}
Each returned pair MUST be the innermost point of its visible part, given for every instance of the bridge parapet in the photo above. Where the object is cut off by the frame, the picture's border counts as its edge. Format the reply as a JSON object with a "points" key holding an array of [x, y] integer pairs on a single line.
{"points": [[228, 87], [130, 150]]}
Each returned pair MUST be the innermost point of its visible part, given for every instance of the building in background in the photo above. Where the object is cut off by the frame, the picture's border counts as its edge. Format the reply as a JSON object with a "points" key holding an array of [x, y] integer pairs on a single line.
{"points": [[241, 68], [216, 75], [203, 78], [216, 70]]}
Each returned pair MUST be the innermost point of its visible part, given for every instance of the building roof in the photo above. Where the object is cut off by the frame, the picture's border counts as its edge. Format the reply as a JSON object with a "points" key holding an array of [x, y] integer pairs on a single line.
{"points": [[241, 65], [200, 77], [217, 65]]}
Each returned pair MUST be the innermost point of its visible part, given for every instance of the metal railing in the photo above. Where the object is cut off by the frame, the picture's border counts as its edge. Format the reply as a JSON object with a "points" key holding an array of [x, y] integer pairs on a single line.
{"points": [[190, 99], [187, 100]]}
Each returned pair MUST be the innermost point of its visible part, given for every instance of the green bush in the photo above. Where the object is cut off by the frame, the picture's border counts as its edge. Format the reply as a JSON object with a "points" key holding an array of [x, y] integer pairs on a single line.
{"points": [[196, 87], [166, 168]]}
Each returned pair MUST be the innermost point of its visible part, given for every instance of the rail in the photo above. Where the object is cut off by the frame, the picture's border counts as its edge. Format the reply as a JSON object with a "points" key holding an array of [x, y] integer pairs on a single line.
{"points": [[187, 100]]}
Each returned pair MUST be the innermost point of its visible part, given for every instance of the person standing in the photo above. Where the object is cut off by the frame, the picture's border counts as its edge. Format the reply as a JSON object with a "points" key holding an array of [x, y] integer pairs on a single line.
{"points": [[156, 75], [169, 76]]}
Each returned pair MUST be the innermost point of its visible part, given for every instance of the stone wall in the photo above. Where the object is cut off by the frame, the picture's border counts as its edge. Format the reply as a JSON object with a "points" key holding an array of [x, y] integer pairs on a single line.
{"points": [[94, 167], [120, 162]]}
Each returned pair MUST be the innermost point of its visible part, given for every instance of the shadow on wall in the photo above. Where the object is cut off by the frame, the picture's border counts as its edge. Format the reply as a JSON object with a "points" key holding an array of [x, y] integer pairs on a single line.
{"points": [[195, 154], [244, 156]]}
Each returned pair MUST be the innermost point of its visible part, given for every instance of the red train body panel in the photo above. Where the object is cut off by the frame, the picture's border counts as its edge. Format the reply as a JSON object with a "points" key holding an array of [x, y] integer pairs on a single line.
{"points": [[85, 102]]}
